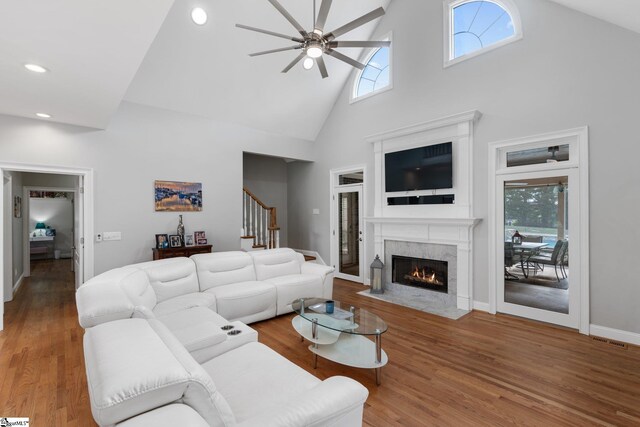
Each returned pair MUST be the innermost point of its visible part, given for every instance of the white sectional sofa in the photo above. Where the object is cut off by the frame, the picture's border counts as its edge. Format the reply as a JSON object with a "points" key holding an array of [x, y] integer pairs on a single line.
{"points": [[139, 374], [158, 351], [242, 286]]}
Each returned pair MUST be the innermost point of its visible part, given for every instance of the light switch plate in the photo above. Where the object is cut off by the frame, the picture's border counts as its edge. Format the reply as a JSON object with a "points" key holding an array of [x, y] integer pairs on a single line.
{"points": [[112, 235], [316, 211]]}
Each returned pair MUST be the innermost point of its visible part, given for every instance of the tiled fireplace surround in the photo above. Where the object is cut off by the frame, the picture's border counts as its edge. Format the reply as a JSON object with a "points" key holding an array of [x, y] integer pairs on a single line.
{"points": [[439, 232]]}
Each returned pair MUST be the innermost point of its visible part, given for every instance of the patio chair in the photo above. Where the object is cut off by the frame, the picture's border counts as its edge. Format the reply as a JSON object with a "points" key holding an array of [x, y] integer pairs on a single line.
{"points": [[556, 259], [510, 258]]}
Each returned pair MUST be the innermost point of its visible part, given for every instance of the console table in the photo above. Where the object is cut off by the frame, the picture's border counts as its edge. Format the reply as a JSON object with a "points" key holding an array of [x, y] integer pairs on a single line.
{"points": [[184, 251]]}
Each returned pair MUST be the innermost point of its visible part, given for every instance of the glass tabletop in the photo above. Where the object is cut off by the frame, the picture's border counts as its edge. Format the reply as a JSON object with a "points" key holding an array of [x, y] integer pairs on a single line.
{"points": [[343, 319]]}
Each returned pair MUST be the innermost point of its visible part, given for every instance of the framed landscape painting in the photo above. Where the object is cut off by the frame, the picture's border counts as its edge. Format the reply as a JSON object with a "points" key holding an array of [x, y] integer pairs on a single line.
{"points": [[173, 196]]}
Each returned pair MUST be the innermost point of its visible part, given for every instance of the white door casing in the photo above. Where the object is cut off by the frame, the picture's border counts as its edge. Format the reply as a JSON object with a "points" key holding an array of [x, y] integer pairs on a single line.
{"points": [[335, 188], [577, 169], [87, 209]]}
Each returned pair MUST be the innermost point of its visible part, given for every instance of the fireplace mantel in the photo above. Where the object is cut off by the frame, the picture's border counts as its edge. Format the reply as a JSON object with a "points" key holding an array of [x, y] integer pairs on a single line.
{"points": [[450, 224], [455, 222]]}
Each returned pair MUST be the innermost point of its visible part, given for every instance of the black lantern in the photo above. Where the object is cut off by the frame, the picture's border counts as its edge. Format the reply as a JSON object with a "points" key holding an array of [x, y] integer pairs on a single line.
{"points": [[516, 239], [376, 276]]}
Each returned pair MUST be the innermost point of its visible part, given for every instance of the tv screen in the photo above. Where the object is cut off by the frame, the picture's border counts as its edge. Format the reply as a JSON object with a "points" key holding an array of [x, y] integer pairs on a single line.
{"points": [[424, 168]]}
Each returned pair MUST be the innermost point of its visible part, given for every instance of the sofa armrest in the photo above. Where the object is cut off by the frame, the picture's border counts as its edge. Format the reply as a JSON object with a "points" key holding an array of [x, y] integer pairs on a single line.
{"points": [[102, 302], [325, 272], [335, 401]]}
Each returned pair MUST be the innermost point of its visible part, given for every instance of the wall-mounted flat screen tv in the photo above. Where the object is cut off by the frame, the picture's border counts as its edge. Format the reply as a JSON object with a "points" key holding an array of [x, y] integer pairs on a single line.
{"points": [[424, 168]]}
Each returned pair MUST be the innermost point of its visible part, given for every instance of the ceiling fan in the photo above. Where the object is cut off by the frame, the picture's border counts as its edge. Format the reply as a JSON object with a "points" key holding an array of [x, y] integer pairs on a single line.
{"points": [[316, 42]]}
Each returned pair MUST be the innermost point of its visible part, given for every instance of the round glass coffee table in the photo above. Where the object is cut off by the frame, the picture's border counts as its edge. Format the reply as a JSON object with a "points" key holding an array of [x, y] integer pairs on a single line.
{"points": [[341, 336]]}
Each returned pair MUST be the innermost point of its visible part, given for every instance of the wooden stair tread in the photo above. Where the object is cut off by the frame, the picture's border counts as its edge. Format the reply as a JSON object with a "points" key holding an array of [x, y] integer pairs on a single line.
{"points": [[309, 258], [259, 246], [247, 237]]}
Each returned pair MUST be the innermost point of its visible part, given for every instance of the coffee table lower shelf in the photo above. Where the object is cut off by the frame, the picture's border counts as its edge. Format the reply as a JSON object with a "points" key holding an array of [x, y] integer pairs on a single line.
{"points": [[353, 350]]}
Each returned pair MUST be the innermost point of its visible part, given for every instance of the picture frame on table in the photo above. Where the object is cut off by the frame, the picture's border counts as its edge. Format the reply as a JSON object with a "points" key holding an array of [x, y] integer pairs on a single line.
{"points": [[201, 242], [175, 241], [189, 240], [199, 235], [162, 241]]}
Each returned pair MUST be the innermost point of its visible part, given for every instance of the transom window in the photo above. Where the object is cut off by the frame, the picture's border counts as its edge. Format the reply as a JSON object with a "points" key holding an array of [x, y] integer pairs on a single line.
{"points": [[476, 26], [376, 74]]}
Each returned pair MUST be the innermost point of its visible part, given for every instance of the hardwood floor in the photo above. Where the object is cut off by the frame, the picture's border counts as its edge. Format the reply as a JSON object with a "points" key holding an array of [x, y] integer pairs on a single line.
{"points": [[42, 373], [481, 370]]}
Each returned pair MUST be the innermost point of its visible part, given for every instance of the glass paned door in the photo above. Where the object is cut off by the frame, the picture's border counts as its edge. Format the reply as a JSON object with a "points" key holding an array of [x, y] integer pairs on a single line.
{"points": [[537, 218], [349, 233]]}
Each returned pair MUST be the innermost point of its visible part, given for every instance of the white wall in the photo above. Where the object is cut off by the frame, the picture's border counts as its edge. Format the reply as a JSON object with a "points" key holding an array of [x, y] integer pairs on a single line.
{"points": [[570, 70], [141, 145], [56, 214], [266, 177]]}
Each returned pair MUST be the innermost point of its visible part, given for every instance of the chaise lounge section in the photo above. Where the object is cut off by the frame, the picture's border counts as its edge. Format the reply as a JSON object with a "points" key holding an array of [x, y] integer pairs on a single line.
{"points": [[139, 374]]}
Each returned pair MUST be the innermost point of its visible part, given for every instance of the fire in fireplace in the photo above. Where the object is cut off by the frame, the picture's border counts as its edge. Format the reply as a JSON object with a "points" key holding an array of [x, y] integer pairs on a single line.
{"points": [[420, 273]]}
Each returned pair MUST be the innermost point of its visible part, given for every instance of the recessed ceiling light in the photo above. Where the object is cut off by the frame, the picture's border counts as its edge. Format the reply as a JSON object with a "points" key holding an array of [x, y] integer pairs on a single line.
{"points": [[308, 63], [35, 68], [199, 16], [43, 115]]}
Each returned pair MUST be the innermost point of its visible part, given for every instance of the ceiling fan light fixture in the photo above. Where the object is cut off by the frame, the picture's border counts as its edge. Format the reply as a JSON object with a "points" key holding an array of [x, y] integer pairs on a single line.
{"points": [[314, 51], [308, 63], [199, 16]]}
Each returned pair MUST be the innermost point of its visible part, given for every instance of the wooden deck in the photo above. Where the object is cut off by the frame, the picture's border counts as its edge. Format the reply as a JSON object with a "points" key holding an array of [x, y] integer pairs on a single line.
{"points": [[480, 370]]}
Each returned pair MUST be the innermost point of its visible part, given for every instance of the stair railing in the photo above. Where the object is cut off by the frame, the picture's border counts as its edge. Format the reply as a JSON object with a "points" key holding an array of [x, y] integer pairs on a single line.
{"points": [[259, 221]]}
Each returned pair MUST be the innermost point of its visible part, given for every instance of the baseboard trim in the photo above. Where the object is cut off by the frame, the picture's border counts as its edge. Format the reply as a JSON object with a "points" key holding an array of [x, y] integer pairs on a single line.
{"points": [[319, 259], [16, 285], [481, 306], [615, 334]]}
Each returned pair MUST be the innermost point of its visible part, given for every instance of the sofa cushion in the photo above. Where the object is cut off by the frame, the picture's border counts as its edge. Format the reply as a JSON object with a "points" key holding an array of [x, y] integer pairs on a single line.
{"points": [[245, 301], [191, 316], [171, 277], [130, 370], [276, 262], [223, 268], [294, 286], [184, 302], [254, 378], [138, 288], [101, 302]]}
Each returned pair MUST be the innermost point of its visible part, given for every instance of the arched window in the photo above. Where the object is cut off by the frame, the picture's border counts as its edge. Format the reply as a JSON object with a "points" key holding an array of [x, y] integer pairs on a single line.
{"points": [[376, 76], [475, 26]]}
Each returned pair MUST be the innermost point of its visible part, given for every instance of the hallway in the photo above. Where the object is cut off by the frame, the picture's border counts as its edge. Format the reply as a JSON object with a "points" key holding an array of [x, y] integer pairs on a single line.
{"points": [[41, 361]]}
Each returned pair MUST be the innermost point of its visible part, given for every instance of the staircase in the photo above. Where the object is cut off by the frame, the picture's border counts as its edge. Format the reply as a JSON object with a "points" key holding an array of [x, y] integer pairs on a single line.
{"points": [[260, 226]]}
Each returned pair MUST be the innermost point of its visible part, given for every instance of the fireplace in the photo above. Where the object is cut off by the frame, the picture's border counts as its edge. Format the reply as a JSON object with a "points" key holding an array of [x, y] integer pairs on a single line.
{"points": [[420, 273]]}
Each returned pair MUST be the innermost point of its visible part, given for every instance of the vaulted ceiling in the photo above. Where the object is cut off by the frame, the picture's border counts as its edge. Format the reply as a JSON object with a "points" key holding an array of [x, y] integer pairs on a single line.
{"points": [[150, 52], [207, 71]]}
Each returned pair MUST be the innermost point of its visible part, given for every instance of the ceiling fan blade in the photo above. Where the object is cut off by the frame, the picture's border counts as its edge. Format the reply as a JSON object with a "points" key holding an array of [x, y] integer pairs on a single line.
{"points": [[355, 23], [282, 49], [271, 33], [335, 44], [322, 14], [294, 62], [345, 58], [322, 67], [287, 15]]}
